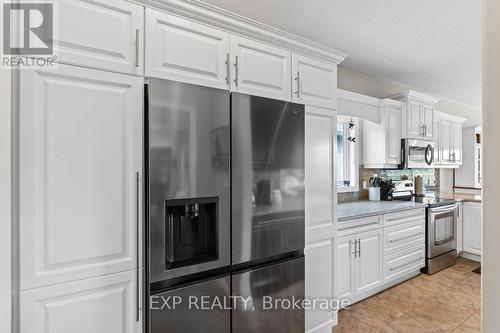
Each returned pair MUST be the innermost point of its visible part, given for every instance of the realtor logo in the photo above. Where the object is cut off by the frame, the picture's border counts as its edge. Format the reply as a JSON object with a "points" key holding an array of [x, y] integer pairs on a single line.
{"points": [[28, 33]]}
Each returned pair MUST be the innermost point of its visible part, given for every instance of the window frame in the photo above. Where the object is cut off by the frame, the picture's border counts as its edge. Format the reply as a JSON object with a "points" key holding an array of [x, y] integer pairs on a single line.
{"points": [[351, 154]]}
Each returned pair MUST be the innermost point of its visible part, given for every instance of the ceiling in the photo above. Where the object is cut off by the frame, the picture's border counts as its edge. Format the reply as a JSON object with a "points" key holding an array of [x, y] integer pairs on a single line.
{"points": [[434, 46]]}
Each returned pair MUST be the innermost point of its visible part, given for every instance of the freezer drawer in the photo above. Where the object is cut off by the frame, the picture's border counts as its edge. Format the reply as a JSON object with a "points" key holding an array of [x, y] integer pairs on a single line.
{"points": [[279, 281], [185, 318]]}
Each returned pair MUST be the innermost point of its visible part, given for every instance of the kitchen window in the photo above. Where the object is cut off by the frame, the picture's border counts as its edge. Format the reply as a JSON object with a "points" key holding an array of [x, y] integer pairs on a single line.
{"points": [[347, 154]]}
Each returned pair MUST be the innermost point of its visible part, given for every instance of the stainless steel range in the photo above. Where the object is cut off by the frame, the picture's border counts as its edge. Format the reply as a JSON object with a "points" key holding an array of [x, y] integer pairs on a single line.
{"points": [[441, 227]]}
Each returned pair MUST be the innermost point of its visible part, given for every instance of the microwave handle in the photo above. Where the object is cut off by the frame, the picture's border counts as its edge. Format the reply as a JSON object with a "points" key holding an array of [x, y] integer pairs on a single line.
{"points": [[429, 161]]}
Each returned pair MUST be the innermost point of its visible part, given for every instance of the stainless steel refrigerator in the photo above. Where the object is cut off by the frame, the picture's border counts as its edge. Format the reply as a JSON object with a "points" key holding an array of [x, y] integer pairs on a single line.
{"points": [[225, 207]]}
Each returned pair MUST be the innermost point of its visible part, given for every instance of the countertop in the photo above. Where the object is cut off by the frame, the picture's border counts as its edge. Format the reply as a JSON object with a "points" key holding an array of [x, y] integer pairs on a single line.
{"points": [[462, 197], [363, 208]]}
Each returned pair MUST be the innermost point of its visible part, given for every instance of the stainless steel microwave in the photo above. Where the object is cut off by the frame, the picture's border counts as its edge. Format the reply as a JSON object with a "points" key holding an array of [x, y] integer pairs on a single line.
{"points": [[417, 153]]}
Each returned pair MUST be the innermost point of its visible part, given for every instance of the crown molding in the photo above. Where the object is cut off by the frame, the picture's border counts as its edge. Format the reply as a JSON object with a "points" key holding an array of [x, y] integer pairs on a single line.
{"points": [[415, 94], [236, 24]]}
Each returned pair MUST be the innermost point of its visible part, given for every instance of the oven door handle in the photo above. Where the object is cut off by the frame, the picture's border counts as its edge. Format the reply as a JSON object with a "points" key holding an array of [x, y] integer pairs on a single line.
{"points": [[444, 209]]}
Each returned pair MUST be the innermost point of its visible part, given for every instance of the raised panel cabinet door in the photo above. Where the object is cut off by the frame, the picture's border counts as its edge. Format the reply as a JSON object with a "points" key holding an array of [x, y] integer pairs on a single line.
{"points": [[472, 220], [319, 281], [437, 141], [320, 127], [428, 120], [260, 69], [182, 50], [101, 34], [456, 135], [414, 119], [369, 274], [393, 135], [445, 141], [80, 174], [460, 228], [107, 304], [344, 268], [314, 82]]}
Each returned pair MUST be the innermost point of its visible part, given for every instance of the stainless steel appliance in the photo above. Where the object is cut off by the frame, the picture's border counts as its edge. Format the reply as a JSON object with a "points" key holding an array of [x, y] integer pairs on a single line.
{"points": [[267, 209], [210, 153], [188, 163], [417, 153]]}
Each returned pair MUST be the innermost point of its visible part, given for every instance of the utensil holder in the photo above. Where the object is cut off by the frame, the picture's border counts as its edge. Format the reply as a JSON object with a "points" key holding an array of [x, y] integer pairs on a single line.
{"points": [[374, 193]]}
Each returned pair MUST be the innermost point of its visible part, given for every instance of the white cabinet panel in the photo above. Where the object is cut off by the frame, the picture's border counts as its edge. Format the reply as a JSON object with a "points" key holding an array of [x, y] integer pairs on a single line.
{"points": [[428, 120], [445, 141], [260, 69], [319, 280], [472, 220], [369, 265], [99, 305], [314, 82], [319, 169], [414, 119], [456, 142], [80, 152], [393, 134], [460, 228], [344, 268], [101, 34], [404, 262], [182, 50]]}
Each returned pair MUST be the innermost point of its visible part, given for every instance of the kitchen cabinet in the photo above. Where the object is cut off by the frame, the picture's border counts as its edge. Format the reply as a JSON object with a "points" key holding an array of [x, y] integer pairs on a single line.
{"points": [[382, 141], [448, 140], [80, 174], [418, 120], [101, 34], [472, 228], [102, 304], [460, 228], [182, 50], [359, 264], [320, 198], [260, 69], [314, 82], [469, 175]]}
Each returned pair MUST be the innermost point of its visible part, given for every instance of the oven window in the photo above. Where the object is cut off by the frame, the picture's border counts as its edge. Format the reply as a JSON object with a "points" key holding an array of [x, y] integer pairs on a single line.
{"points": [[444, 230]]}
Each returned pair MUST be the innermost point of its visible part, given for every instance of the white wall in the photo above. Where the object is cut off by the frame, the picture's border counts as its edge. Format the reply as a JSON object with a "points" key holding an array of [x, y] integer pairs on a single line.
{"points": [[491, 160], [380, 87], [5, 203]]}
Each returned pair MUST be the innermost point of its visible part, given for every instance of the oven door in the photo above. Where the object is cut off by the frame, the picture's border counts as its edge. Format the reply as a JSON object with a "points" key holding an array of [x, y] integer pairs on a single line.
{"points": [[418, 154], [442, 230]]}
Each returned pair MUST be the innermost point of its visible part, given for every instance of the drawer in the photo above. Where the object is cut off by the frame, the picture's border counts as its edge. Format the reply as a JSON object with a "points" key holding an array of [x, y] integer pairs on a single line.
{"points": [[404, 236], [403, 217], [362, 224], [404, 262]]}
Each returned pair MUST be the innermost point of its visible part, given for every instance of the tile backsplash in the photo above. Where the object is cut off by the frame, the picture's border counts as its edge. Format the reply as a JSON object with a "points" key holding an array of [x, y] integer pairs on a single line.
{"points": [[431, 180]]}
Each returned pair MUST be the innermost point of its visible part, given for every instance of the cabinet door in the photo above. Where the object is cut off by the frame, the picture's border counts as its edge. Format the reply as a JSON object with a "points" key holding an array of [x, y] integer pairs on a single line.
{"points": [[478, 166], [344, 268], [101, 34], [107, 304], [437, 141], [472, 219], [80, 168], [414, 119], [445, 141], [181, 50], [260, 69], [428, 120], [393, 135], [460, 228], [369, 274], [456, 142], [314, 82]]}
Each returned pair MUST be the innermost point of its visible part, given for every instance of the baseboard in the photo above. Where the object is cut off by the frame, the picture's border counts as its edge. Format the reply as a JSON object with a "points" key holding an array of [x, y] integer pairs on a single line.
{"points": [[325, 327], [470, 256]]}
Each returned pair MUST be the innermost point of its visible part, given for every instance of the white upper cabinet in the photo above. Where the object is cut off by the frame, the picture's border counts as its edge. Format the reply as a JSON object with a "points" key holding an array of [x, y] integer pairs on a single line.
{"points": [[448, 140], [314, 82], [80, 173], [179, 49], [101, 34], [418, 120], [260, 69]]}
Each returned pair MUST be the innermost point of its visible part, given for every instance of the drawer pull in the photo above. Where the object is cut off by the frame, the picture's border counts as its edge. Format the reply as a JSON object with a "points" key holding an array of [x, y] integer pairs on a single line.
{"points": [[406, 237], [407, 218], [412, 262]]}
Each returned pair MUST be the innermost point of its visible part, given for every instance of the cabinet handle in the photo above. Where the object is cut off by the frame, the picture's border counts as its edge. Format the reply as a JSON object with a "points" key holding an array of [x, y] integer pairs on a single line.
{"points": [[137, 244], [228, 70], [297, 92], [412, 262], [137, 47], [236, 71], [406, 237], [359, 248]]}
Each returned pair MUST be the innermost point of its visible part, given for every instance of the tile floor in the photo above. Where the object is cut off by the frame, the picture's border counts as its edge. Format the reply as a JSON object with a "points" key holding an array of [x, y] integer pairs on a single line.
{"points": [[448, 301]]}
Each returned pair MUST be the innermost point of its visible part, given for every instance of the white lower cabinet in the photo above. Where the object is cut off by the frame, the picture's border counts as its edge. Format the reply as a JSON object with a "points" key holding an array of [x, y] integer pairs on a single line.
{"points": [[344, 268], [460, 228], [108, 304], [472, 227]]}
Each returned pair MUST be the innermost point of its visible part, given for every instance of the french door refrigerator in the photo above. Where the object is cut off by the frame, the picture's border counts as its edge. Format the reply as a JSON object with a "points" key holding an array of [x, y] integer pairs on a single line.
{"points": [[225, 198]]}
